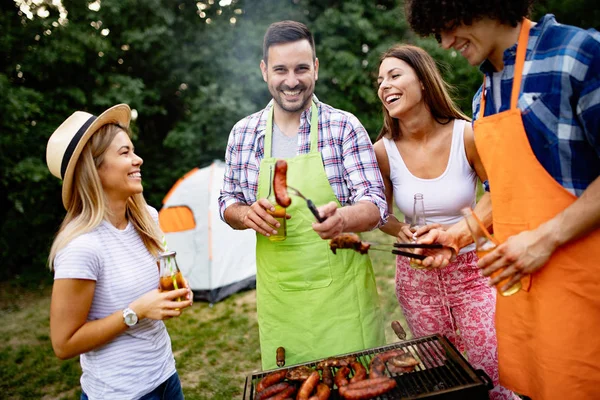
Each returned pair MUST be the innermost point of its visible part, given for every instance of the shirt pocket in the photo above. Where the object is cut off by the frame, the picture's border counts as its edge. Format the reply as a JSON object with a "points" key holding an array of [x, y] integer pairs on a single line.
{"points": [[540, 113]]}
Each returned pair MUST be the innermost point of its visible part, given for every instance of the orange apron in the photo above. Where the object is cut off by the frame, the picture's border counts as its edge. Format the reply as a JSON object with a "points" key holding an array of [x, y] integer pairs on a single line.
{"points": [[549, 332]]}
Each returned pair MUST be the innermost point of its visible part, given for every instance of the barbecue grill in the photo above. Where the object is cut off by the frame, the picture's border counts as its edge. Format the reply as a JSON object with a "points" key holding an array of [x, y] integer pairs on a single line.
{"points": [[441, 374]]}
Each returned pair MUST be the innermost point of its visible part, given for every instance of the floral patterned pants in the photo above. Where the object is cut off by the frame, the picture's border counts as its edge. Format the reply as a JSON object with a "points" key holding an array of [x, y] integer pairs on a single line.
{"points": [[455, 302]]}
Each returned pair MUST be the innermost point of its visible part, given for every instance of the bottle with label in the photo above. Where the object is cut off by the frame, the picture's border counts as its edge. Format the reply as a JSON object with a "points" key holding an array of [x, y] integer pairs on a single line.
{"points": [[418, 220], [484, 244]]}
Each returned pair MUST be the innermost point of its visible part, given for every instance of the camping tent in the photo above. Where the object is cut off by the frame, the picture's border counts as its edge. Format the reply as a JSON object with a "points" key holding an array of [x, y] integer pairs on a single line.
{"points": [[216, 260]]}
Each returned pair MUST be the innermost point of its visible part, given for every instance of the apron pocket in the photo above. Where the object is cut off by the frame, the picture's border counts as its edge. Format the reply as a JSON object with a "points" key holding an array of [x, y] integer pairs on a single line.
{"points": [[306, 266], [504, 230]]}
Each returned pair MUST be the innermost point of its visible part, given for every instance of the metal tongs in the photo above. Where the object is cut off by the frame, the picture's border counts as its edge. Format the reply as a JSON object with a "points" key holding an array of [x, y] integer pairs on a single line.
{"points": [[385, 247], [309, 203]]}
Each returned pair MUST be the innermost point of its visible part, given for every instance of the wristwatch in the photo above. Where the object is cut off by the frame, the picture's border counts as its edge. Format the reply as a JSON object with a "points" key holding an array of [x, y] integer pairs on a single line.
{"points": [[130, 317]]}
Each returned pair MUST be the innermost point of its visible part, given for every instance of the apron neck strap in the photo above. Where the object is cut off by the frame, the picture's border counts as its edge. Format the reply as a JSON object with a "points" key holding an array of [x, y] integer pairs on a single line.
{"points": [[519, 62], [314, 130]]}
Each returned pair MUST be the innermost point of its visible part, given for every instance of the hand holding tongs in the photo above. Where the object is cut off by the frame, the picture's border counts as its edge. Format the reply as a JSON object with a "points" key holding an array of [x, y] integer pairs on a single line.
{"points": [[309, 203]]}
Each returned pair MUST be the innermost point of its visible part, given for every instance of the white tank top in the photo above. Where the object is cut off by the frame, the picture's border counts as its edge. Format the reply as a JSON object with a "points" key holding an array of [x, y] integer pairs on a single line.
{"points": [[443, 196]]}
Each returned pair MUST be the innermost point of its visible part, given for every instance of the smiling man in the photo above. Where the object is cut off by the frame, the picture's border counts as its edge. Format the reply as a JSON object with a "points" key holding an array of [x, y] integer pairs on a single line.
{"points": [[537, 130], [311, 302]]}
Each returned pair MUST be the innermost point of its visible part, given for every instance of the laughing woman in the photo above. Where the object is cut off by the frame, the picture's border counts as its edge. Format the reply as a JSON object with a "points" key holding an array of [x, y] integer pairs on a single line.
{"points": [[426, 146], [105, 303]]}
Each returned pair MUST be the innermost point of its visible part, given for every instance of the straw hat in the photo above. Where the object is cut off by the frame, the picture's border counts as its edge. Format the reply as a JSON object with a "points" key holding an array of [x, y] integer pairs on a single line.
{"points": [[66, 143]]}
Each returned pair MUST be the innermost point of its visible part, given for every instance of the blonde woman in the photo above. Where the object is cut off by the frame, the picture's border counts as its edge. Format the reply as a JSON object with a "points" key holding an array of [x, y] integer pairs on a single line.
{"points": [[426, 146], [105, 303]]}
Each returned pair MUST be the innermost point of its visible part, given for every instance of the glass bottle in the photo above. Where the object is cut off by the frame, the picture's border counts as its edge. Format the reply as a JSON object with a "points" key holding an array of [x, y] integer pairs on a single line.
{"points": [[278, 214], [484, 244], [418, 220], [170, 277]]}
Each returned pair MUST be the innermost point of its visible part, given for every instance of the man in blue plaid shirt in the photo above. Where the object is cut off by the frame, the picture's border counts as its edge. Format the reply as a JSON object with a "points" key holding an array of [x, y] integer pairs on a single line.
{"points": [[311, 302], [537, 130]]}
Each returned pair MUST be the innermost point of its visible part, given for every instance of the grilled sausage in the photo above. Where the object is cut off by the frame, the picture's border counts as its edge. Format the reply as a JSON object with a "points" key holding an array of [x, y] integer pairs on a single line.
{"points": [[367, 388], [308, 386], [285, 394], [270, 379], [341, 377], [327, 377], [399, 330], [280, 184], [323, 392], [280, 357], [360, 372], [272, 390]]}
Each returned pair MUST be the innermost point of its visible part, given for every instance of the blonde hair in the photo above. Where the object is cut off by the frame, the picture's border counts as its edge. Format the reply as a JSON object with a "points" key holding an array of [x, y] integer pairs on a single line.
{"points": [[89, 205], [435, 94]]}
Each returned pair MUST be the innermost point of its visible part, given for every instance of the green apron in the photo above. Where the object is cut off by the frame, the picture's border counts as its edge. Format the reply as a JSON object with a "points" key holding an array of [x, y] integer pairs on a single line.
{"points": [[310, 301]]}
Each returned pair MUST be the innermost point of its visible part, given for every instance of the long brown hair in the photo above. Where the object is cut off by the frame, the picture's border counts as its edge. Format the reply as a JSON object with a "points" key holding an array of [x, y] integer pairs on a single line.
{"points": [[89, 206], [435, 93]]}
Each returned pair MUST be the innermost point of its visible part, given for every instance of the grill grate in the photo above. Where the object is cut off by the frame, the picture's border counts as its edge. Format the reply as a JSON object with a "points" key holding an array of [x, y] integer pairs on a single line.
{"points": [[441, 374]]}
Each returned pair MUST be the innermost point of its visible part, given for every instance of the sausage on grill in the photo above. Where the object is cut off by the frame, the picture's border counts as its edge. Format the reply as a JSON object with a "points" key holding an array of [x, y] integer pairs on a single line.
{"points": [[308, 386], [270, 380], [323, 392], [360, 372], [285, 394], [341, 377], [272, 391], [367, 388], [280, 184], [327, 377]]}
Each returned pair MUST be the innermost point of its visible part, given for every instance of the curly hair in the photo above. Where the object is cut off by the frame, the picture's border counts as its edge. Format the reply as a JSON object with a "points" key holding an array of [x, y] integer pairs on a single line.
{"points": [[431, 17]]}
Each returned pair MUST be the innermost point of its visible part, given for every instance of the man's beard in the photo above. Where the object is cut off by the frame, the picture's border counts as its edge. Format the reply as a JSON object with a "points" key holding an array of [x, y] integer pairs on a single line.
{"points": [[280, 99]]}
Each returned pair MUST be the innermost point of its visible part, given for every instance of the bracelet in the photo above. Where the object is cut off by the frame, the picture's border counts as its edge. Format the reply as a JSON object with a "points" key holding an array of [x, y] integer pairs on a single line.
{"points": [[486, 185]]}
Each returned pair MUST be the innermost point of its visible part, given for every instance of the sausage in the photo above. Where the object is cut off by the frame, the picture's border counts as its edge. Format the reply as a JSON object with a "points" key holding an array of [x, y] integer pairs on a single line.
{"points": [[341, 377], [399, 330], [323, 392], [327, 377], [367, 389], [280, 357], [270, 379], [280, 184], [360, 372], [308, 386], [376, 367], [285, 394], [272, 390]]}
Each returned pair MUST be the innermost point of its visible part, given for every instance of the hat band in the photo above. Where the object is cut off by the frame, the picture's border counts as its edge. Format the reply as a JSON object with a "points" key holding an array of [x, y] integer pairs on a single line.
{"points": [[73, 144]]}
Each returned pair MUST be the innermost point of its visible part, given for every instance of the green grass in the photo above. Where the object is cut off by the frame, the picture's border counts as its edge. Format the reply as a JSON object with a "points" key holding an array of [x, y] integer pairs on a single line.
{"points": [[215, 347]]}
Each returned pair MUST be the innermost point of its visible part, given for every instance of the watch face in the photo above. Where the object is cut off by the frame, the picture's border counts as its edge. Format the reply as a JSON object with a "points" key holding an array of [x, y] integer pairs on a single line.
{"points": [[130, 317]]}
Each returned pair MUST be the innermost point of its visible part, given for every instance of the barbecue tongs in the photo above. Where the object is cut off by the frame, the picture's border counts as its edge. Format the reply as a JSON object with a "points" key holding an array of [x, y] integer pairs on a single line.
{"points": [[385, 247], [309, 203]]}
